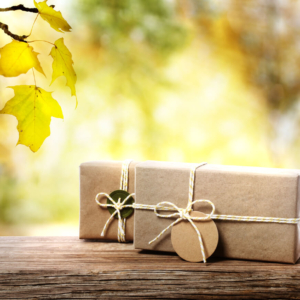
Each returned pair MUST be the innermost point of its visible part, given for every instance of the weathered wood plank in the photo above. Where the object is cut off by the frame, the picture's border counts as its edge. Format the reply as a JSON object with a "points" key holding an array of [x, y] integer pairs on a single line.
{"points": [[66, 267]]}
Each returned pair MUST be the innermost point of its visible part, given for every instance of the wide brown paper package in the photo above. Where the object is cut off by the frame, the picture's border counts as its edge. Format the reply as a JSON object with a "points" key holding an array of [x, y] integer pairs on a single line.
{"points": [[242, 191], [96, 177]]}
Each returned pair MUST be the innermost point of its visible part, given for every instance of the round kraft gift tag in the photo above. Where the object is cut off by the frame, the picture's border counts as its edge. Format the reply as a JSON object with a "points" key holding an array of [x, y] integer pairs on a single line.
{"points": [[120, 194], [185, 239]]}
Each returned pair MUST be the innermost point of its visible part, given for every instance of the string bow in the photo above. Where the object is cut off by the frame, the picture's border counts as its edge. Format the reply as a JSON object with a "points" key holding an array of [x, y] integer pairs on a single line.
{"points": [[183, 214], [118, 206]]}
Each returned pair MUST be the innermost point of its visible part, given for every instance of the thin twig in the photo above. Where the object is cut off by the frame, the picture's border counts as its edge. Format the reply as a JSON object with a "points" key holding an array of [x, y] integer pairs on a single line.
{"points": [[19, 38], [22, 7], [4, 27]]}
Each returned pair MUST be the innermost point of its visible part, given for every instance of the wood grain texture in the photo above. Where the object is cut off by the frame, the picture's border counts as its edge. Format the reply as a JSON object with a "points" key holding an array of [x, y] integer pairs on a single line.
{"points": [[69, 268]]}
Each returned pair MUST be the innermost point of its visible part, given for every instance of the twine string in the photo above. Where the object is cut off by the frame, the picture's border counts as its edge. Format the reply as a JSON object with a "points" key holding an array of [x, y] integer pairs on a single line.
{"points": [[118, 206], [180, 213], [228, 217], [184, 214]]}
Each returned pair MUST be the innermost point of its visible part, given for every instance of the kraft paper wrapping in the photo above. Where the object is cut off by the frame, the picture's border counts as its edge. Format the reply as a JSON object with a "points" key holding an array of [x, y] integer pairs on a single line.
{"points": [[243, 191], [96, 177]]}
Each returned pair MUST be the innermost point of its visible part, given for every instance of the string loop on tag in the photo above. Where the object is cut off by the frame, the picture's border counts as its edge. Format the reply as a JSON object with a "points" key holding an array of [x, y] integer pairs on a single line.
{"points": [[184, 213]]}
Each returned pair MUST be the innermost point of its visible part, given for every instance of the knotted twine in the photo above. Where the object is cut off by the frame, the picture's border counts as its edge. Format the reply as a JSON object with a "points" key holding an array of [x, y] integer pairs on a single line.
{"points": [[118, 206], [182, 213]]}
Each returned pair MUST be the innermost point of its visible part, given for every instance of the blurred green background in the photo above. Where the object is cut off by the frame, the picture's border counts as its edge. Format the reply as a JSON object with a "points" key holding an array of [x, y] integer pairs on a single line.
{"points": [[189, 80]]}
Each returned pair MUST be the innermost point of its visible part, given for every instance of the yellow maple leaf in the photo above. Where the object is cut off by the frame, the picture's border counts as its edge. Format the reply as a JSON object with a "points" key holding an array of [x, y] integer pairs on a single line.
{"points": [[53, 17], [33, 107], [63, 65], [17, 58]]}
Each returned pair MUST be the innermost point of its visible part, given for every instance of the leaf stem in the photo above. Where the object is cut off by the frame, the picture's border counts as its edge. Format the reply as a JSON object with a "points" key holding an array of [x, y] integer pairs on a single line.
{"points": [[40, 41], [33, 76], [33, 25]]}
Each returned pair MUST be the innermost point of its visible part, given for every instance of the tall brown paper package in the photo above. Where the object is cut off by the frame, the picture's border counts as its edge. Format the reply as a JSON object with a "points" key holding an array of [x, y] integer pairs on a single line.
{"points": [[242, 191], [96, 177]]}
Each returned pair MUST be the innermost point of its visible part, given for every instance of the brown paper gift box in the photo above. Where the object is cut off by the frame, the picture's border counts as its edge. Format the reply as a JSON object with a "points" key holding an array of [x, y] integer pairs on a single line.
{"points": [[96, 177], [242, 191]]}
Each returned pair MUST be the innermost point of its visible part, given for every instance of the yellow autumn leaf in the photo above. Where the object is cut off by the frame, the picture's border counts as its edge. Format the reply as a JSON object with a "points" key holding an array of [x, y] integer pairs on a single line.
{"points": [[33, 107], [63, 65], [53, 17], [17, 58]]}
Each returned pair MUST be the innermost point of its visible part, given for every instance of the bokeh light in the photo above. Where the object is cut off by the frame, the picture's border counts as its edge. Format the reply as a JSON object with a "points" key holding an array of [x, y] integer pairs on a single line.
{"points": [[189, 80]]}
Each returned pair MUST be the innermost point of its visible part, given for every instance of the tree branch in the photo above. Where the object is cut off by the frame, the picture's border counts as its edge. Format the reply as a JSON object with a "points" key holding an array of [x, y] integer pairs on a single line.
{"points": [[22, 7], [4, 27], [19, 38]]}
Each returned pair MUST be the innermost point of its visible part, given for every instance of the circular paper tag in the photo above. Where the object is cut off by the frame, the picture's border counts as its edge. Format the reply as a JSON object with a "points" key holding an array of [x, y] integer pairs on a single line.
{"points": [[120, 194], [185, 239]]}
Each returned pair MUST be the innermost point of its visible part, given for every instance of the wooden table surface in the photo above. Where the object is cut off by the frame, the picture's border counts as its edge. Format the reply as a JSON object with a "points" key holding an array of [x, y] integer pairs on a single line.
{"points": [[69, 268]]}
